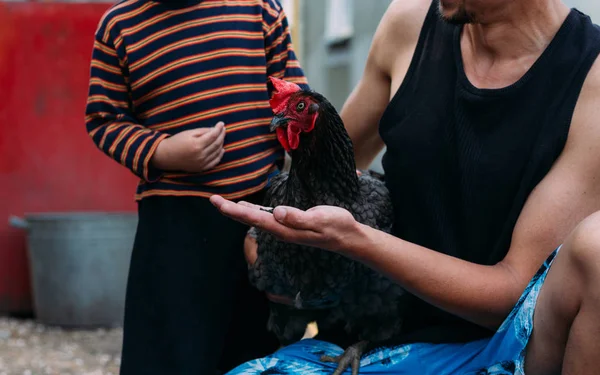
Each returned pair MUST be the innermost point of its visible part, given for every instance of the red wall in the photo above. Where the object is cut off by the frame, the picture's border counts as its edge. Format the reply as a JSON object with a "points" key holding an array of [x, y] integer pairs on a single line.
{"points": [[47, 161]]}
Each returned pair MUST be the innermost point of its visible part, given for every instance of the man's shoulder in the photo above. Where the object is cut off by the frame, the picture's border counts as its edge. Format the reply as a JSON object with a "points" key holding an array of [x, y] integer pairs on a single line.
{"points": [[117, 12], [406, 10], [399, 31], [403, 18]]}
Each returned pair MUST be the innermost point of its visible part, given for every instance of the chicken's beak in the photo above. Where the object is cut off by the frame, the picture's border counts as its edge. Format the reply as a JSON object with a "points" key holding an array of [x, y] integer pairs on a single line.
{"points": [[278, 121]]}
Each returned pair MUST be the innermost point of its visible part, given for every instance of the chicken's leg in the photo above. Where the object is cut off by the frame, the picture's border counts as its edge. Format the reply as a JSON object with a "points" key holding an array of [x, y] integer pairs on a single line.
{"points": [[350, 358]]}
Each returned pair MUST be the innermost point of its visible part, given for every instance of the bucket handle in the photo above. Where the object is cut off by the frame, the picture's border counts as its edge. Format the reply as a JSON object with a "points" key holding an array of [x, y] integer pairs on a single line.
{"points": [[18, 222]]}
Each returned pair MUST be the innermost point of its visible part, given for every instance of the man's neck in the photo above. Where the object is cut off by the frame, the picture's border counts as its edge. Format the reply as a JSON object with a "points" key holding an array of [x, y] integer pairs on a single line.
{"points": [[503, 45]]}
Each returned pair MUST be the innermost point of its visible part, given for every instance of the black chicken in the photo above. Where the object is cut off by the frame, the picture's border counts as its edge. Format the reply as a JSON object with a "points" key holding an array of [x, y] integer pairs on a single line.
{"points": [[320, 285]]}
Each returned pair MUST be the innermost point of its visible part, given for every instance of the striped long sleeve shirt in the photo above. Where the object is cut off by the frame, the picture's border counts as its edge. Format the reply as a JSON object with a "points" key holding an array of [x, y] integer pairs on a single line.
{"points": [[159, 68]]}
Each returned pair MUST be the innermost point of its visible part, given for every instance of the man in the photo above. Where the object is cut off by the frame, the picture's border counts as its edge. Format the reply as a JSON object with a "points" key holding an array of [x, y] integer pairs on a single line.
{"points": [[490, 114], [163, 74]]}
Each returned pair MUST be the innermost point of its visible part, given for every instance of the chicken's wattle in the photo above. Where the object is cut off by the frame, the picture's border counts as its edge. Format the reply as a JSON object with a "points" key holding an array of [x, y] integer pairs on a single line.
{"points": [[289, 137]]}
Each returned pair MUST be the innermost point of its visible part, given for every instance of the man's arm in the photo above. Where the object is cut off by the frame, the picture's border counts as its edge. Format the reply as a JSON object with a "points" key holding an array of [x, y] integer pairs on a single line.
{"points": [[109, 119], [485, 294], [390, 54], [481, 294]]}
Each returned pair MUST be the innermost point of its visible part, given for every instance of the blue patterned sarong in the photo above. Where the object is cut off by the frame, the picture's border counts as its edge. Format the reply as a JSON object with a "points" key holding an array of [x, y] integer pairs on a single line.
{"points": [[501, 354]]}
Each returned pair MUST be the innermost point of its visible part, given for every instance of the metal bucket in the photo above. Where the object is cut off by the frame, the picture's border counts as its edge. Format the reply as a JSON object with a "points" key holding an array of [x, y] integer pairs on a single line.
{"points": [[79, 264]]}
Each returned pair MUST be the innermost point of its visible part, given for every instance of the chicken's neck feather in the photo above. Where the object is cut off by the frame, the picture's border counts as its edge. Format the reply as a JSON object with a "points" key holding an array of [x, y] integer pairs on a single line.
{"points": [[324, 163]]}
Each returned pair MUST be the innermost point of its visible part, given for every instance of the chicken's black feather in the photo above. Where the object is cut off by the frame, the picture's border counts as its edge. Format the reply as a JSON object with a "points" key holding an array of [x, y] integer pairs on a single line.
{"points": [[328, 288]]}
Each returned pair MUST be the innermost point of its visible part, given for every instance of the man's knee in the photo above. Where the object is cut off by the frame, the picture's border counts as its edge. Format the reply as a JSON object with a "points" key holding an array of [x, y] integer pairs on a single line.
{"points": [[583, 246]]}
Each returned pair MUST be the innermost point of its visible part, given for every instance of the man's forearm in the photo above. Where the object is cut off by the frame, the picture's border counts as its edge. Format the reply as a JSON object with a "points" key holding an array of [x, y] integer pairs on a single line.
{"points": [[481, 294]]}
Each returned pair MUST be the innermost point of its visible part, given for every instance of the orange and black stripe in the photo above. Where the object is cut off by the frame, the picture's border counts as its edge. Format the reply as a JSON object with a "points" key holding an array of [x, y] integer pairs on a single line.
{"points": [[158, 70]]}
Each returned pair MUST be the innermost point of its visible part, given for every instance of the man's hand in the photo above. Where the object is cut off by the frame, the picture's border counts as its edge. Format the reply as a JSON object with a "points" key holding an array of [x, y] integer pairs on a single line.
{"points": [[250, 244], [250, 249], [326, 227], [191, 151], [251, 254]]}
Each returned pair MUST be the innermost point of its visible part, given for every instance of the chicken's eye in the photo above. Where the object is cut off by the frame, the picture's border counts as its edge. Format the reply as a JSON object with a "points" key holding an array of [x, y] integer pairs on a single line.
{"points": [[300, 106]]}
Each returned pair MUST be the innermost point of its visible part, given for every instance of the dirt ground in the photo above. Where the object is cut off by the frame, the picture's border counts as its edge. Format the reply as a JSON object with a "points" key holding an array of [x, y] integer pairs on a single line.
{"points": [[28, 348]]}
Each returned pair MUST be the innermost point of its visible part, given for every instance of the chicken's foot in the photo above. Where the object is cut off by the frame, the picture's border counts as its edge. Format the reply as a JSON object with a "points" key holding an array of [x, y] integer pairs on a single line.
{"points": [[350, 358]]}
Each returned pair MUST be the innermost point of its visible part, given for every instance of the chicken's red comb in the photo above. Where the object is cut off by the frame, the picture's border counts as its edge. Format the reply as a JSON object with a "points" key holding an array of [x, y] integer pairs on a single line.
{"points": [[281, 93]]}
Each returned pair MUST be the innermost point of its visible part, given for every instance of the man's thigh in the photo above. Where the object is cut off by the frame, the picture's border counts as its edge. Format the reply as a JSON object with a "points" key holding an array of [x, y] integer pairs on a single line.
{"points": [[546, 344], [566, 325]]}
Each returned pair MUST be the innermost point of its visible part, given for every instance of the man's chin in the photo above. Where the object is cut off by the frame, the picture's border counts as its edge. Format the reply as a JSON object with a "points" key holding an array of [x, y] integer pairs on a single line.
{"points": [[448, 5], [454, 13]]}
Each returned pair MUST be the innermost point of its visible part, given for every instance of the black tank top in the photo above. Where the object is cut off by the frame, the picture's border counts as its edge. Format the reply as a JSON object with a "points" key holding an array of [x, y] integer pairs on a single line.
{"points": [[461, 161]]}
